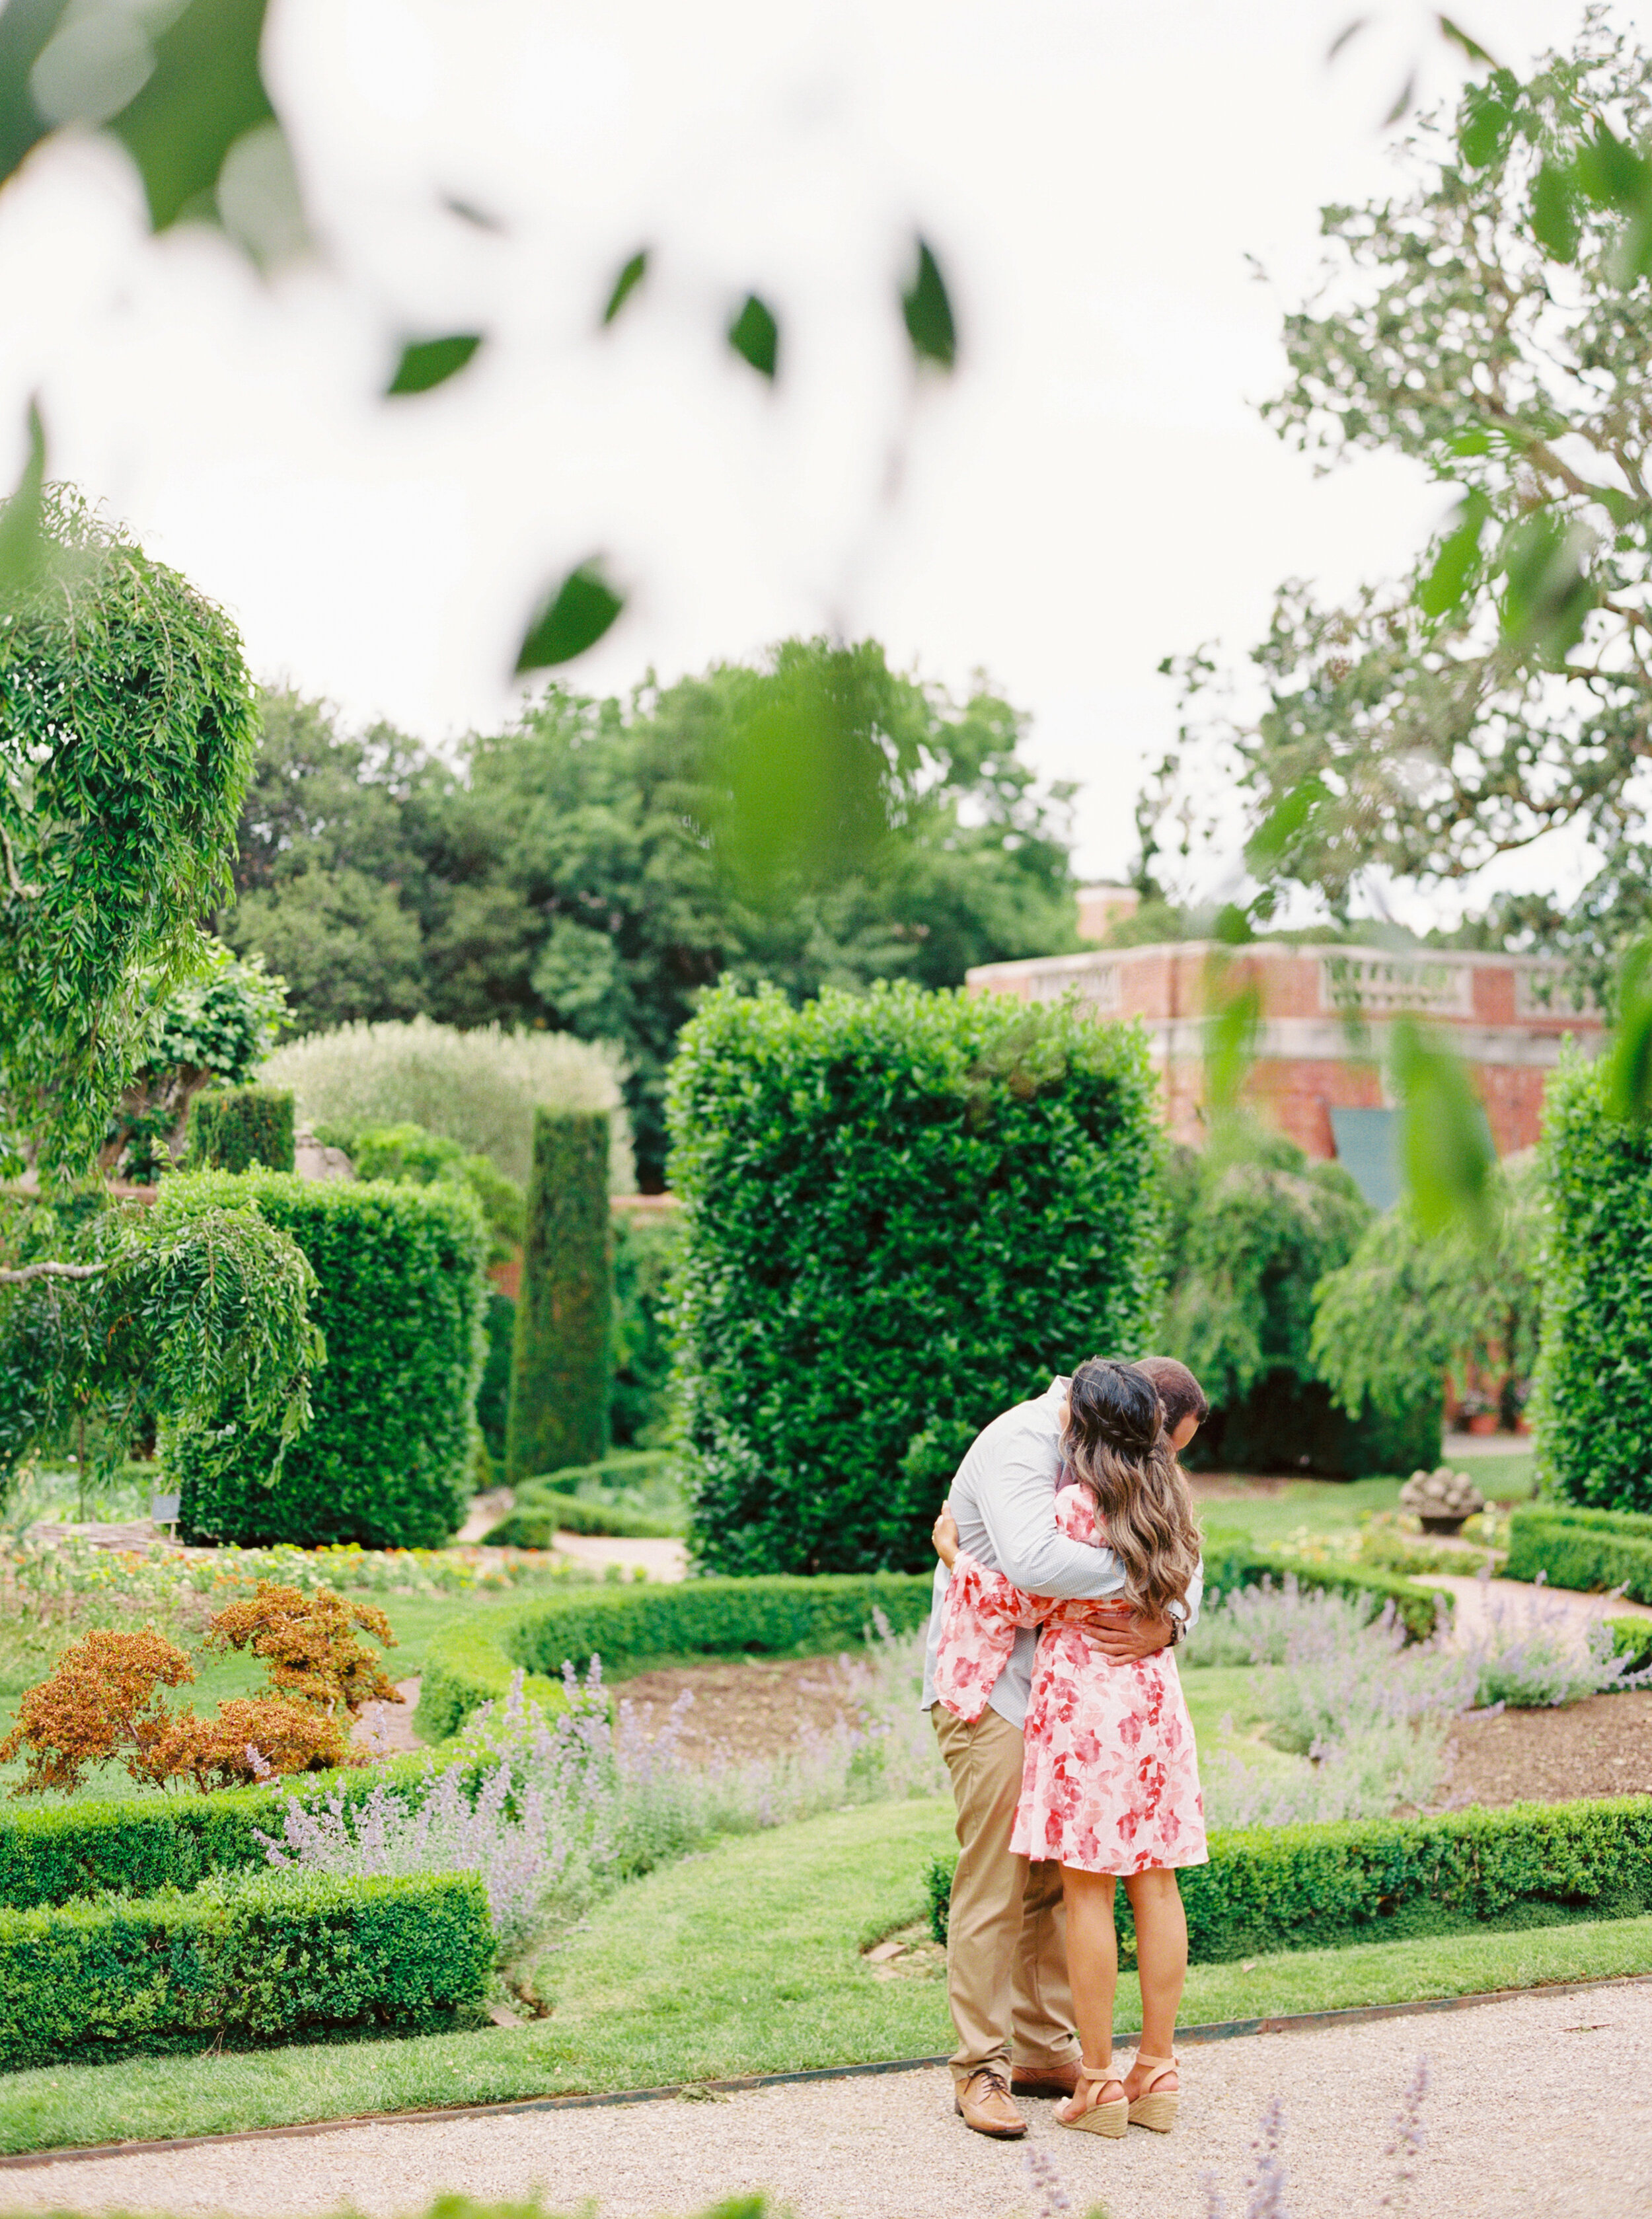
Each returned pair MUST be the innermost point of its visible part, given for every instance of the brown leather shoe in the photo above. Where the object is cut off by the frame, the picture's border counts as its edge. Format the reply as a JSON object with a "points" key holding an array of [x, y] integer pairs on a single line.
{"points": [[1044, 2080], [983, 2102]]}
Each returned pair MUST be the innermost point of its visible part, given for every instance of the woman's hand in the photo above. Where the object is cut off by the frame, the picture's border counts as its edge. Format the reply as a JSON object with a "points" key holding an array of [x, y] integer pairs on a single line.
{"points": [[944, 1534]]}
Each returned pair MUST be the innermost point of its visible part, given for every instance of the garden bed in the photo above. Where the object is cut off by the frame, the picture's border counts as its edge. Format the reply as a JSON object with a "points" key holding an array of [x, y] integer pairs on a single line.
{"points": [[1600, 1746]]}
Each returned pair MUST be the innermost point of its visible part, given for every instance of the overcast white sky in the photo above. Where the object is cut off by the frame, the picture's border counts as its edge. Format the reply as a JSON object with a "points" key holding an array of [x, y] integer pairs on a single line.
{"points": [[1092, 491]]}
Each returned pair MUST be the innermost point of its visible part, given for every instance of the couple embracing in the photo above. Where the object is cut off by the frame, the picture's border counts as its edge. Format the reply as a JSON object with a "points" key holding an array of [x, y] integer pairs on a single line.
{"points": [[1070, 1569]]}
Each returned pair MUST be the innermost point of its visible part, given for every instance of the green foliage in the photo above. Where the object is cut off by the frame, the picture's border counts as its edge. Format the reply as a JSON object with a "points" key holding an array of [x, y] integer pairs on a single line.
{"points": [[400, 1301], [494, 1394], [219, 1024], [1405, 1309], [564, 875], [636, 1495], [1592, 1551], [1282, 1887], [263, 1958], [1255, 1229], [1496, 692], [138, 1845], [185, 1319], [236, 1128], [117, 824], [902, 1213], [562, 1356], [408, 1154], [629, 1626], [646, 1250], [1592, 1400], [464, 1668], [480, 1089], [1631, 1638]]}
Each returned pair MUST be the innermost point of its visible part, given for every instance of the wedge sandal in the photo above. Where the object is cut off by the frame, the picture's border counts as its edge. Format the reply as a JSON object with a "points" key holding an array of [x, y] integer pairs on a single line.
{"points": [[1155, 2107], [1110, 2119]]}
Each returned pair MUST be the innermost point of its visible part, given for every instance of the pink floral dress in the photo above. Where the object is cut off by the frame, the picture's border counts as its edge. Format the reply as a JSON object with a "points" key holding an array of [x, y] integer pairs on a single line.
{"points": [[1111, 1783]]}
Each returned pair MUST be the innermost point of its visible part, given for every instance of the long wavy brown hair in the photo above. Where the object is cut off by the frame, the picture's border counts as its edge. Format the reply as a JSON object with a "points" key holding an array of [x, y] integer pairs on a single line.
{"points": [[1115, 1444]]}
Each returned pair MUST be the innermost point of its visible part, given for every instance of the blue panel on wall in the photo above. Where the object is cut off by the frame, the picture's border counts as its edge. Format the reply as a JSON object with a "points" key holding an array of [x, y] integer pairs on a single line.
{"points": [[1368, 1148]]}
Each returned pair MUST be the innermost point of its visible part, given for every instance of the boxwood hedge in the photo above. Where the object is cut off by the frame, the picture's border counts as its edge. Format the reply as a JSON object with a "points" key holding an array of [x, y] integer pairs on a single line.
{"points": [[1586, 1549], [1591, 1395], [902, 1213], [263, 1958], [1296, 1887], [387, 1460]]}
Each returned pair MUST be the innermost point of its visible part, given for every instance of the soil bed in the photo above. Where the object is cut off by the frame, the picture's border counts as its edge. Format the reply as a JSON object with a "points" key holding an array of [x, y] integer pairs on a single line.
{"points": [[1601, 1746], [756, 1707]]}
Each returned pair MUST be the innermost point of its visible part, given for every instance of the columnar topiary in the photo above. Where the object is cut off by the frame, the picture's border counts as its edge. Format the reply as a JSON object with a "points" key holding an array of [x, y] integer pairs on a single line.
{"points": [[233, 1128], [1592, 1398], [562, 1356], [902, 1212]]}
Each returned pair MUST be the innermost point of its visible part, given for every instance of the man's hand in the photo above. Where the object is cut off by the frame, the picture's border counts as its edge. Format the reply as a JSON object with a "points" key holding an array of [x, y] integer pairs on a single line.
{"points": [[1124, 1635], [944, 1534]]}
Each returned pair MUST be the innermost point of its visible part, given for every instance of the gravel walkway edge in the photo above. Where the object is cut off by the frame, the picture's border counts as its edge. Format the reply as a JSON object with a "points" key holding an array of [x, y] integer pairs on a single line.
{"points": [[1220, 2030]]}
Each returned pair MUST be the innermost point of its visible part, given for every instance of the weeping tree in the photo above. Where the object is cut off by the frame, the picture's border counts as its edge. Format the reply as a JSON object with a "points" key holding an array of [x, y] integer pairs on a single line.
{"points": [[127, 733]]}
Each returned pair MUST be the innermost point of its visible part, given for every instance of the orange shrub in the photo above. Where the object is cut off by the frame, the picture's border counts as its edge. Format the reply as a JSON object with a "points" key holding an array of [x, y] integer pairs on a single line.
{"points": [[250, 1736], [103, 1701], [310, 1645]]}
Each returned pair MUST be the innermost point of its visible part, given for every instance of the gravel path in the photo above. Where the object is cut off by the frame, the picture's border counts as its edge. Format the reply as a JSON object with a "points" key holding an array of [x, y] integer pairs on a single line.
{"points": [[889, 2148]]}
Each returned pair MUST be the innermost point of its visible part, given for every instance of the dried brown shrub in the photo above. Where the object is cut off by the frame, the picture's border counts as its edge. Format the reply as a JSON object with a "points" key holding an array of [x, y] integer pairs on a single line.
{"points": [[104, 1699], [250, 1736], [309, 1644]]}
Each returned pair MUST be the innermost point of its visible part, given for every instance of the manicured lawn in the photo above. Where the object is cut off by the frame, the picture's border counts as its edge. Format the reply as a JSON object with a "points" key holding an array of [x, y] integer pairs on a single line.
{"points": [[1329, 1506], [744, 1960]]}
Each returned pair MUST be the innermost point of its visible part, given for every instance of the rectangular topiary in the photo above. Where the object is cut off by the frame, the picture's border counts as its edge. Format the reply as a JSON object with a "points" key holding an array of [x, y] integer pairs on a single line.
{"points": [[561, 1358], [386, 1461], [903, 1212], [266, 1958], [236, 1128], [541, 1512], [1592, 1552], [1590, 1405], [1300, 1887]]}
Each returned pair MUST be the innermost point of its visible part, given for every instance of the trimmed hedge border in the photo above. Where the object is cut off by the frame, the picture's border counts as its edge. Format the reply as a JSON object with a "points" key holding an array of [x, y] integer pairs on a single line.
{"points": [[776, 1615], [1584, 1549], [1233, 1560], [259, 1960], [1284, 1887], [137, 1845], [471, 1663], [541, 1512]]}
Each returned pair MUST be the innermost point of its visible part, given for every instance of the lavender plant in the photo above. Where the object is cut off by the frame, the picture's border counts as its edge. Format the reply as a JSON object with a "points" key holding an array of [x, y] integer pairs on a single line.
{"points": [[1533, 1652]]}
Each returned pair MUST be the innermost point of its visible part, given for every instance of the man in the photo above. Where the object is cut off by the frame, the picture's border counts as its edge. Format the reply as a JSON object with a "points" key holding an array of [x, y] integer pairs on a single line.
{"points": [[1006, 1950]]}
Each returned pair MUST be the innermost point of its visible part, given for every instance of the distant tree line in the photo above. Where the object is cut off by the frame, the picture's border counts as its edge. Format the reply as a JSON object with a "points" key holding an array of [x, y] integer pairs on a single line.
{"points": [[580, 871]]}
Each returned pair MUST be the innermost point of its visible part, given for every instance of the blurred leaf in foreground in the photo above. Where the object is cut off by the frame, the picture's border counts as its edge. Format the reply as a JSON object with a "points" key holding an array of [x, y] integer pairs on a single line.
{"points": [[426, 364], [755, 335], [1232, 1031], [27, 28], [573, 618], [205, 91], [1629, 1082], [1445, 1145], [22, 542], [928, 308], [626, 283]]}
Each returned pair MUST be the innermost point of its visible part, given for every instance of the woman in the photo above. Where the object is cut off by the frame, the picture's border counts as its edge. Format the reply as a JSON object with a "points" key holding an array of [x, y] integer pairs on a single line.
{"points": [[1111, 1785]]}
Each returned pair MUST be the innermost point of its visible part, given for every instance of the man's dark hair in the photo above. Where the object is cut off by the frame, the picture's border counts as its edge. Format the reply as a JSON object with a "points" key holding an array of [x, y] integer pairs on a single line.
{"points": [[1178, 1390]]}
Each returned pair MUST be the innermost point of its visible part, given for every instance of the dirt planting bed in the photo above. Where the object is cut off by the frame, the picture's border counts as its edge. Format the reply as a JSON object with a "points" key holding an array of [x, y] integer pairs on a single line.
{"points": [[1601, 1746], [757, 1708]]}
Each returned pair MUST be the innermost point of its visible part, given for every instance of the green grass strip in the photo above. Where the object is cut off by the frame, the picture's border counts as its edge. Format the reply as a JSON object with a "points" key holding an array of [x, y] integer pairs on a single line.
{"points": [[746, 1960]]}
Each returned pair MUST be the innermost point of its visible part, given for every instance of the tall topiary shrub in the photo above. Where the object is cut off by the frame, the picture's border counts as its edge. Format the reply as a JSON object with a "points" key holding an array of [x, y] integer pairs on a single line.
{"points": [[386, 1461], [233, 1128], [902, 1213], [561, 1360], [1591, 1398]]}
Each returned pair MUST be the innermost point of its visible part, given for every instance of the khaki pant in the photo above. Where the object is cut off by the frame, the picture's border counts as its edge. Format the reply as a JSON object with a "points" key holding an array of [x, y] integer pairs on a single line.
{"points": [[1007, 1929]]}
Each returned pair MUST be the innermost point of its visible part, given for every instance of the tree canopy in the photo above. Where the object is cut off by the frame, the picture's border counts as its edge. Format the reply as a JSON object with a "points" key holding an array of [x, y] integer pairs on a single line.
{"points": [[128, 723], [596, 866], [1490, 321]]}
